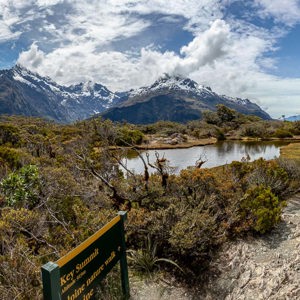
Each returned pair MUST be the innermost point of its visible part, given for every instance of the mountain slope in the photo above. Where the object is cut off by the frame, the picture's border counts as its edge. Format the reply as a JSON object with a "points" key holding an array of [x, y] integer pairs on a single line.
{"points": [[23, 92], [175, 99]]}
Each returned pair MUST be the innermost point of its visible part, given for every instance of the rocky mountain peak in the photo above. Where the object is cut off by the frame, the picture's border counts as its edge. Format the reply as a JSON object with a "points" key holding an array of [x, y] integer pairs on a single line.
{"points": [[175, 98], [175, 81], [170, 83]]}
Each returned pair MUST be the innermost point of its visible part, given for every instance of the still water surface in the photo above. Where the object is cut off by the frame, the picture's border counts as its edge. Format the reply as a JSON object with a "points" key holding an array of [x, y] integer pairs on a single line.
{"points": [[217, 154]]}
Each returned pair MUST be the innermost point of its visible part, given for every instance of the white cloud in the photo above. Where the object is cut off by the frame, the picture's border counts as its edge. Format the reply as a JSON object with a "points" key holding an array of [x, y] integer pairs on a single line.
{"points": [[205, 48], [6, 34], [33, 57], [105, 20], [80, 60], [286, 11], [279, 95]]}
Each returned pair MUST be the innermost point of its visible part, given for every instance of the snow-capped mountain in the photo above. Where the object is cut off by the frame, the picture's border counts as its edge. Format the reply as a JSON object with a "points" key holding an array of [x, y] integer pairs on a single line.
{"points": [[177, 99], [292, 118], [174, 98], [27, 93], [171, 83]]}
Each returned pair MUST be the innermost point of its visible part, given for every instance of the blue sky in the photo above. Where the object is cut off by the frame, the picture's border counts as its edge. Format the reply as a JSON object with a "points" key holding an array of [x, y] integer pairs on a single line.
{"points": [[240, 48]]}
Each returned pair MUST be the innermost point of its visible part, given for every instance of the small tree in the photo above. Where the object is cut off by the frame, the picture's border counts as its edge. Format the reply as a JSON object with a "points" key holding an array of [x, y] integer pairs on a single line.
{"points": [[225, 114], [21, 188]]}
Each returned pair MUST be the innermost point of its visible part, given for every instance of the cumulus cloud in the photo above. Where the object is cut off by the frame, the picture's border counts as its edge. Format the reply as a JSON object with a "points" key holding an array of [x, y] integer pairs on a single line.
{"points": [[33, 57], [205, 48], [102, 21]]}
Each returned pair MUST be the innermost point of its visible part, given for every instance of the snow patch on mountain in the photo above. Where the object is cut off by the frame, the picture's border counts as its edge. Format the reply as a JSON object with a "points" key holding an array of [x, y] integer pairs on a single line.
{"points": [[17, 77]]}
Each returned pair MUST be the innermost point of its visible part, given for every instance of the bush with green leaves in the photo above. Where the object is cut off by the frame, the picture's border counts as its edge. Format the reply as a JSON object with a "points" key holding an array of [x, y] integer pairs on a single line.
{"points": [[127, 136], [21, 188], [12, 157], [225, 114], [296, 127], [261, 209], [163, 127], [211, 117]]}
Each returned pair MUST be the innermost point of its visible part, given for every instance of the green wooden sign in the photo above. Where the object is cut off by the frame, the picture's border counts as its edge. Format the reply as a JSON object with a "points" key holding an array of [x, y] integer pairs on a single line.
{"points": [[76, 275]]}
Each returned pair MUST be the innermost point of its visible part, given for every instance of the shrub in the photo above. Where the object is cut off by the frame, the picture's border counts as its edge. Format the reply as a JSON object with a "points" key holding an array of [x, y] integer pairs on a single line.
{"points": [[261, 208], [290, 167], [269, 174], [193, 233], [211, 117], [251, 130], [220, 136], [21, 188], [9, 134], [296, 127], [146, 260], [163, 127], [127, 136], [11, 156], [282, 133], [225, 114]]}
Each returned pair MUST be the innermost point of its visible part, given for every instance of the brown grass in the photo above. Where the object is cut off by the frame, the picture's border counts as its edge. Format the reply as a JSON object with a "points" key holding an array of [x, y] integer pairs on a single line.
{"points": [[291, 151]]}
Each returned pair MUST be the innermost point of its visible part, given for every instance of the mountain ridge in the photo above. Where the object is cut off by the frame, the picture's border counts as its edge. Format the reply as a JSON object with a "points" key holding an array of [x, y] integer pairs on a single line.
{"points": [[170, 96], [27, 93], [174, 98]]}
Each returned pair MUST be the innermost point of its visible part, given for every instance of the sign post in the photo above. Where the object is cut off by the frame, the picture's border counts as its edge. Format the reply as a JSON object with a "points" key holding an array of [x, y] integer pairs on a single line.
{"points": [[76, 275]]}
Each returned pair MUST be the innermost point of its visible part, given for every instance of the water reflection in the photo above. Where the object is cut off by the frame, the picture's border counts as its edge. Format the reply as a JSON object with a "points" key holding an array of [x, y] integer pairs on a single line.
{"points": [[216, 155]]}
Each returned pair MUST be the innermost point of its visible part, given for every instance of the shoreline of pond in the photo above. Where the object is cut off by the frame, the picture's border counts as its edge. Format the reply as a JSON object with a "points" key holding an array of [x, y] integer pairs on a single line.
{"points": [[221, 153], [202, 142]]}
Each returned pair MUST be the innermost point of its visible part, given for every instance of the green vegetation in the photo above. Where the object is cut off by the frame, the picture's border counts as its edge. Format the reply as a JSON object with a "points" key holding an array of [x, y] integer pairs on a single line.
{"points": [[225, 123], [20, 188], [262, 208], [60, 183]]}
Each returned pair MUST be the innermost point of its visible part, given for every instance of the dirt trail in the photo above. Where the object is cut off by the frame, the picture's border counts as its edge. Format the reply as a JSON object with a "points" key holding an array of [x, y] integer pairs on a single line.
{"points": [[263, 268]]}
